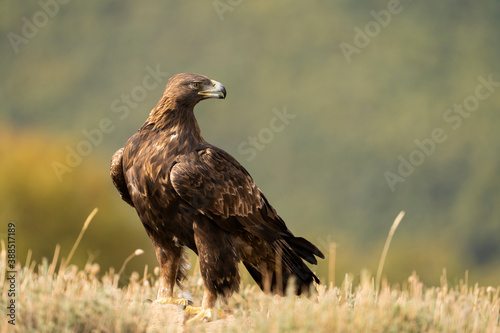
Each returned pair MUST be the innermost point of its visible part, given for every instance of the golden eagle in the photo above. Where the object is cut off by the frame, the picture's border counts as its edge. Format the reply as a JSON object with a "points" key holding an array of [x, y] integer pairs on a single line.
{"points": [[189, 193]]}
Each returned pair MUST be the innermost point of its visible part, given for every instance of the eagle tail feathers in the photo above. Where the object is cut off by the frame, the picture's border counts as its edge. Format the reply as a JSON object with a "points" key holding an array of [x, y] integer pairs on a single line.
{"points": [[291, 269], [305, 249]]}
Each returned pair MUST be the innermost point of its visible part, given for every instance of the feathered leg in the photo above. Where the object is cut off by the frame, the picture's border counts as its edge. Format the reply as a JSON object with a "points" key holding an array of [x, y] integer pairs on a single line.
{"points": [[218, 267], [169, 265]]}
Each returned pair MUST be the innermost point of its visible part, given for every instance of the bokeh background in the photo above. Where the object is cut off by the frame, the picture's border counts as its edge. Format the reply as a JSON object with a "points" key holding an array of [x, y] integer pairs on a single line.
{"points": [[359, 83]]}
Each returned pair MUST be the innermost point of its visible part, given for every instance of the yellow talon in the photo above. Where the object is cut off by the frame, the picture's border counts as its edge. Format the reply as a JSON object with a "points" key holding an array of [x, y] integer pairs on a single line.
{"points": [[173, 300], [204, 314], [192, 310]]}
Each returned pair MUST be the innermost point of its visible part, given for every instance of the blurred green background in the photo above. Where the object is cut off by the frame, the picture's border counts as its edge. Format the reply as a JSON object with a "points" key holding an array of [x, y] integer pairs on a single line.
{"points": [[360, 81]]}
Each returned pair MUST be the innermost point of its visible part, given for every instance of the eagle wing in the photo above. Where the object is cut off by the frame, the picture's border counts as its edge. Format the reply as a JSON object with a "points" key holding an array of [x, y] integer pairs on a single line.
{"points": [[214, 184], [116, 171]]}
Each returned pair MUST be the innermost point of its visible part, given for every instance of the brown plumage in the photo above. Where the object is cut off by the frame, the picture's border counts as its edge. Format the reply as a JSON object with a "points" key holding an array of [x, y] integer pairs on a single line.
{"points": [[191, 194]]}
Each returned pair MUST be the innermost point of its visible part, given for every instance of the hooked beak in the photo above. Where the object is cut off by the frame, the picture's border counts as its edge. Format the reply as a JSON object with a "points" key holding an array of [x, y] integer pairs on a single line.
{"points": [[216, 91]]}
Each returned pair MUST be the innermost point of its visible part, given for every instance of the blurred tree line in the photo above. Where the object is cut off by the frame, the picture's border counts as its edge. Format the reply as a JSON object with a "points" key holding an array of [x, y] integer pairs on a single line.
{"points": [[79, 78]]}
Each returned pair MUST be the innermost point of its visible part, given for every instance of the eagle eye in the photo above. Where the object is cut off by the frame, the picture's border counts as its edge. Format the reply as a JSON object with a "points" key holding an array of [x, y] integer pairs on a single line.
{"points": [[196, 85]]}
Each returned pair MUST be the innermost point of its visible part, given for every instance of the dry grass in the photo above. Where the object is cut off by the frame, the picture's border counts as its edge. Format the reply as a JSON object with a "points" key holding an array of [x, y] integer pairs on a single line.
{"points": [[64, 298]]}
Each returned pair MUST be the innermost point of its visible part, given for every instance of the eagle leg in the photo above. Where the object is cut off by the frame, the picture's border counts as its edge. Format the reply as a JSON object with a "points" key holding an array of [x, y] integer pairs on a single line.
{"points": [[169, 264], [218, 266]]}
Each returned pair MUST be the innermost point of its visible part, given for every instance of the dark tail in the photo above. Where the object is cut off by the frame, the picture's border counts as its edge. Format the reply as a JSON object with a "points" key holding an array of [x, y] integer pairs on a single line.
{"points": [[305, 249], [277, 273]]}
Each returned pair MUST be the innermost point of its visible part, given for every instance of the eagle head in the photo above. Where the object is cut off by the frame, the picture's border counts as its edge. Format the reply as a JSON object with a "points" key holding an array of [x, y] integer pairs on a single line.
{"points": [[190, 88]]}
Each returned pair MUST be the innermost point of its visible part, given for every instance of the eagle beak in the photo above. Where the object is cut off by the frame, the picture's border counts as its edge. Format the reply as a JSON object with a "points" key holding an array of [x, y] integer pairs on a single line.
{"points": [[216, 91]]}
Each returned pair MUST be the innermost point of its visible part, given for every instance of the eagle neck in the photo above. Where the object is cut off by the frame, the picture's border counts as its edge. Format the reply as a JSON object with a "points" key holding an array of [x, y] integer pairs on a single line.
{"points": [[176, 122]]}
